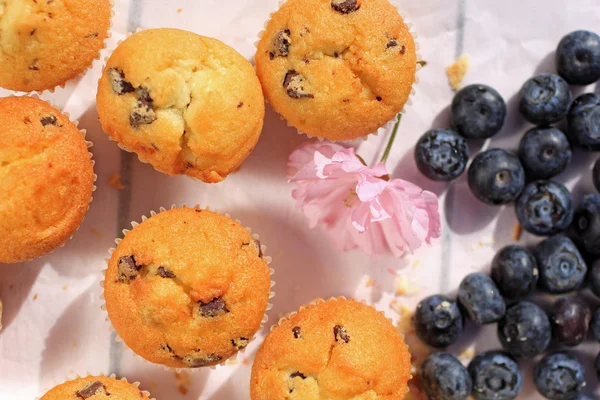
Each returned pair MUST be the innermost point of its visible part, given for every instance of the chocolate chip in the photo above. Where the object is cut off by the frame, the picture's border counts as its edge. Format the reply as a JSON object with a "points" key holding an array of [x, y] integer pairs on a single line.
{"points": [[258, 248], [240, 343], [346, 100], [197, 362], [306, 60], [213, 308], [165, 273], [391, 43], [154, 146], [166, 347], [92, 35], [143, 111], [50, 120], [128, 270], [33, 66], [378, 98], [297, 375], [281, 44], [345, 6], [294, 85], [297, 332], [92, 389], [341, 335], [32, 32], [403, 50], [118, 83], [240, 104], [26, 120]]}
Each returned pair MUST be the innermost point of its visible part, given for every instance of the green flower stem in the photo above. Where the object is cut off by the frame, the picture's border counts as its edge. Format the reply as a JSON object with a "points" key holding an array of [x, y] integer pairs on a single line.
{"points": [[388, 148]]}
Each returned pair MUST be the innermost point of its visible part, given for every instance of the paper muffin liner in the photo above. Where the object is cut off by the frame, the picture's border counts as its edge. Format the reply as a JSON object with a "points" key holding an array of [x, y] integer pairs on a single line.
{"points": [[386, 127], [229, 361], [89, 67], [73, 376], [89, 145]]}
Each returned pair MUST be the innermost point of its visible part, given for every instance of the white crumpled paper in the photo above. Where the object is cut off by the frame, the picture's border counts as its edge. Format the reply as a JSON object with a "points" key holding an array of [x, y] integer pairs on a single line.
{"points": [[53, 325]]}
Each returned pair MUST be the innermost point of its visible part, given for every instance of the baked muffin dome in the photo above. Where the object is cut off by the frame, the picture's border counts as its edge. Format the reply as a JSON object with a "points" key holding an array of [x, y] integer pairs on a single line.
{"points": [[96, 388], [337, 69], [185, 103]]}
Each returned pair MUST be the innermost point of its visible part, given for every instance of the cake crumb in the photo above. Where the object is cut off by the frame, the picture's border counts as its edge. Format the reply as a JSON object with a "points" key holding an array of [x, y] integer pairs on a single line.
{"points": [[35, 296], [115, 181], [245, 361], [466, 355], [65, 287], [457, 71], [182, 380], [517, 231], [96, 233], [405, 288], [416, 264], [179, 10], [369, 283]]}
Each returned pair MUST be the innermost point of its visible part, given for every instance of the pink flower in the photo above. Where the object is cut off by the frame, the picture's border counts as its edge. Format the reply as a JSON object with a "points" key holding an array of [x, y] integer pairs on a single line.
{"points": [[357, 206]]}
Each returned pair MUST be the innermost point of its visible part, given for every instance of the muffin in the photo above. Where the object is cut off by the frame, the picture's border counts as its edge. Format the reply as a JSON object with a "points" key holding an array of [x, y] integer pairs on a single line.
{"points": [[187, 288], [338, 349], [96, 388], [185, 103], [46, 178], [46, 43], [337, 69]]}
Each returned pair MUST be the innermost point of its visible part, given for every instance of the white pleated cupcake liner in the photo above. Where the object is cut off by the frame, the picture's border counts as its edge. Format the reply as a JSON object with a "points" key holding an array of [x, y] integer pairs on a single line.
{"points": [[88, 68], [89, 146], [229, 361], [74, 376], [388, 126]]}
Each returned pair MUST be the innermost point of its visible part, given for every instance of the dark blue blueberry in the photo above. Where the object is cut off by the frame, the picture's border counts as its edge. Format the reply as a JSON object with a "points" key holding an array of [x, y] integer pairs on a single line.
{"points": [[570, 318], [559, 376], [585, 229], [496, 177], [545, 99], [495, 376], [514, 269], [594, 278], [545, 208], [596, 174], [478, 112], [438, 321], [597, 366], [525, 330], [595, 325], [578, 57], [441, 154], [443, 377], [562, 269], [481, 299], [544, 153], [584, 122]]}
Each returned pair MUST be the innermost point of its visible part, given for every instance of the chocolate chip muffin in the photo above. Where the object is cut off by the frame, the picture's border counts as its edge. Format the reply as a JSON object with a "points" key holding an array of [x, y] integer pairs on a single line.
{"points": [[185, 103], [96, 388], [46, 178], [337, 69], [187, 288], [338, 349], [46, 43]]}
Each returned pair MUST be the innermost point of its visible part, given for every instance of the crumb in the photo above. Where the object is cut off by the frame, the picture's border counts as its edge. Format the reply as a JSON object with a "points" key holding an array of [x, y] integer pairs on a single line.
{"points": [[231, 362], [245, 361], [179, 10], [402, 285], [115, 181], [182, 380], [65, 287], [35, 296], [370, 283], [96, 233], [466, 355], [517, 231], [457, 71], [416, 264]]}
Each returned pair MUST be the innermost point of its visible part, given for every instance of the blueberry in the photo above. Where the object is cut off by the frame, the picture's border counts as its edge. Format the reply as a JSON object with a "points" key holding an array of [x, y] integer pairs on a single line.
{"points": [[481, 299], [515, 271], [562, 269], [597, 366], [525, 330], [578, 58], [596, 175], [594, 278], [495, 376], [544, 153], [496, 177], [443, 377], [559, 376], [438, 321], [441, 154], [570, 319], [595, 325], [545, 208], [585, 229], [478, 112], [584, 122], [545, 99]]}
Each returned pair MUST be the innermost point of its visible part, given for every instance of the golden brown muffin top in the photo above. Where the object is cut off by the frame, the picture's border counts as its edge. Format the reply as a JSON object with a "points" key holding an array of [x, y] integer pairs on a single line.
{"points": [[187, 288], [186, 103], [96, 388], [45, 43], [338, 349], [334, 69], [46, 178]]}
